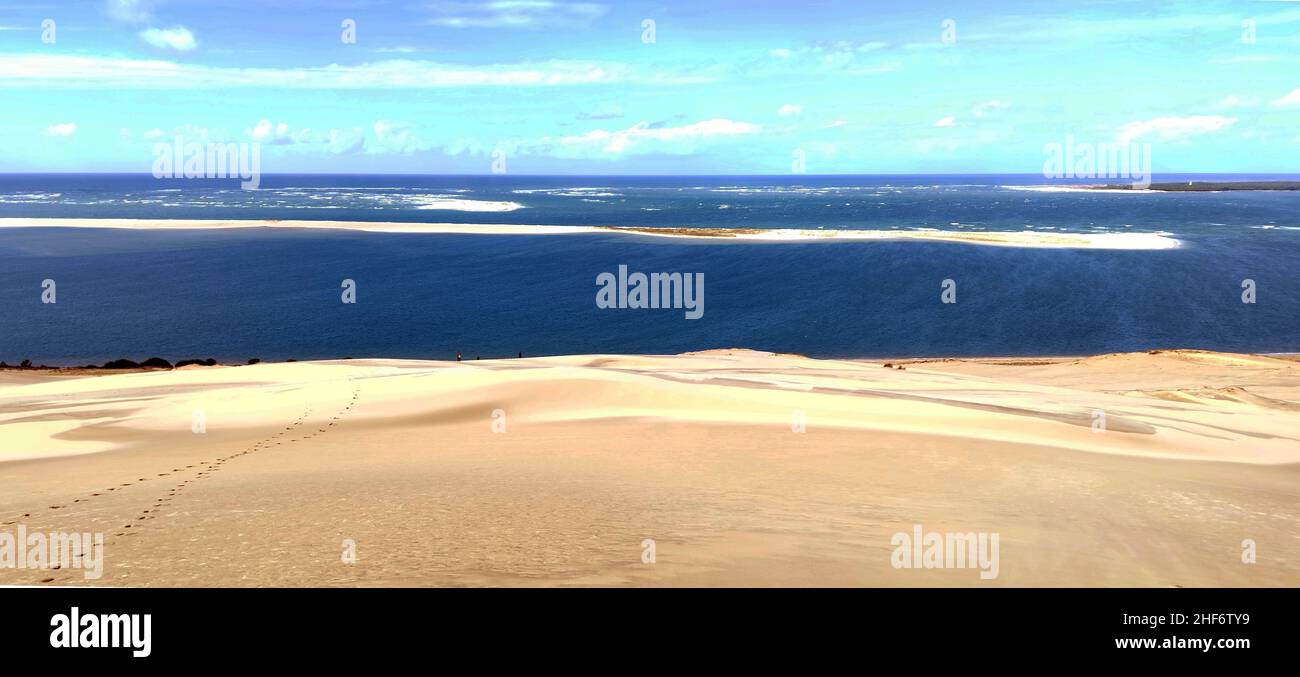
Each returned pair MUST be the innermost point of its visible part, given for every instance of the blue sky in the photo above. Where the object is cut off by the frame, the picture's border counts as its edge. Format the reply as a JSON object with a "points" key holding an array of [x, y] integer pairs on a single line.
{"points": [[725, 87]]}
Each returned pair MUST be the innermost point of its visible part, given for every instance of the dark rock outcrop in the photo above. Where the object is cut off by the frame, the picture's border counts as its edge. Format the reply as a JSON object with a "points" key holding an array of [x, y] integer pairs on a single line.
{"points": [[202, 363]]}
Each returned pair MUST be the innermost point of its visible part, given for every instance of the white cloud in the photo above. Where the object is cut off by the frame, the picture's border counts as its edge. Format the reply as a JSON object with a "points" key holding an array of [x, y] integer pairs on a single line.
{"points": [[1232, 101], [62, 129], [837, 123], [838, 54], [619, 141], [989, 108], [790, 110], [514, 14], [949, 121], [178, 38], [276, 134], [261, 130], [128, 11], [345, 141], [843, 56], [1288, 101], [395, 137], [388, 137], [1127, 27], [1174, 128], [55, 70]]}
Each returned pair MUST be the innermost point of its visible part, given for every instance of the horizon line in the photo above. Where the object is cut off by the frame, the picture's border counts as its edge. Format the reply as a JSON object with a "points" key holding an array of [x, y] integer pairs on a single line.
{"points": [[1295, 173]]}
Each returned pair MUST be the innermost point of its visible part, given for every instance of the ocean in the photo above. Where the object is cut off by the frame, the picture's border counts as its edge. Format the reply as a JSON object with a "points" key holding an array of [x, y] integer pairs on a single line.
{"points": [[275, 294]]}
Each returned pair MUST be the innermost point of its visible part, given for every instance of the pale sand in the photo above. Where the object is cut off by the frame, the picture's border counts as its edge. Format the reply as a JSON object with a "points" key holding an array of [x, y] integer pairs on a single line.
{"points": [[693, 451], [1021, 239]]}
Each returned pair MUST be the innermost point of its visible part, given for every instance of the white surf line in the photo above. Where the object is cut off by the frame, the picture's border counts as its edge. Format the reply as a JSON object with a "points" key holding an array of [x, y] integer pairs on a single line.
{"points": [[1086, 189], [363, 226], [1024, 239]]}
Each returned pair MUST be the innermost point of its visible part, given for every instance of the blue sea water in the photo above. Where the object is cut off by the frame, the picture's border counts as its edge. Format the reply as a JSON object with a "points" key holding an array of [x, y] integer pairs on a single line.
{"points": [[275, 293]]}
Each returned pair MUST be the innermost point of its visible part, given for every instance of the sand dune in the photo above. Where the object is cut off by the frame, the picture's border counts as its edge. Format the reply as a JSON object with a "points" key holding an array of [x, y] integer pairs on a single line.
{"points": [[1197, 452]]}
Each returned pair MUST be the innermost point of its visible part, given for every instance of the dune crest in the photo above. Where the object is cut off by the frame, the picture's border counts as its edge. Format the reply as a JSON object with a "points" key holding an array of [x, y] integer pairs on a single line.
{"points": [[728, 387]]}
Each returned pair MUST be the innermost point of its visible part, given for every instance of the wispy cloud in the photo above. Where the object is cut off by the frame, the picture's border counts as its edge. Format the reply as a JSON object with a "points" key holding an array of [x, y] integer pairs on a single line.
{"points": [[384, 137], [514, 14], [1170, 24], [1171, 128], [129, 11], [636, 137], [841, 55], [989, 108], [62, 129], [1291, 100], [790, 110], [51, 70], [602, 112], [1232, 101]]}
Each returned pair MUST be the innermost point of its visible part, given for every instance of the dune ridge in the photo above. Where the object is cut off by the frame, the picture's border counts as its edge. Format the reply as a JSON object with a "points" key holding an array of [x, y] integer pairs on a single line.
{"points": [[1220, 420], [701, 452]]}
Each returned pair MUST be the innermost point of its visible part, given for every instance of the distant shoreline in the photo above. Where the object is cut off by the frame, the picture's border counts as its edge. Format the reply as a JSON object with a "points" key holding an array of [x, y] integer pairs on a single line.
{"points": [[1024, 239], [1204, 186]]}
